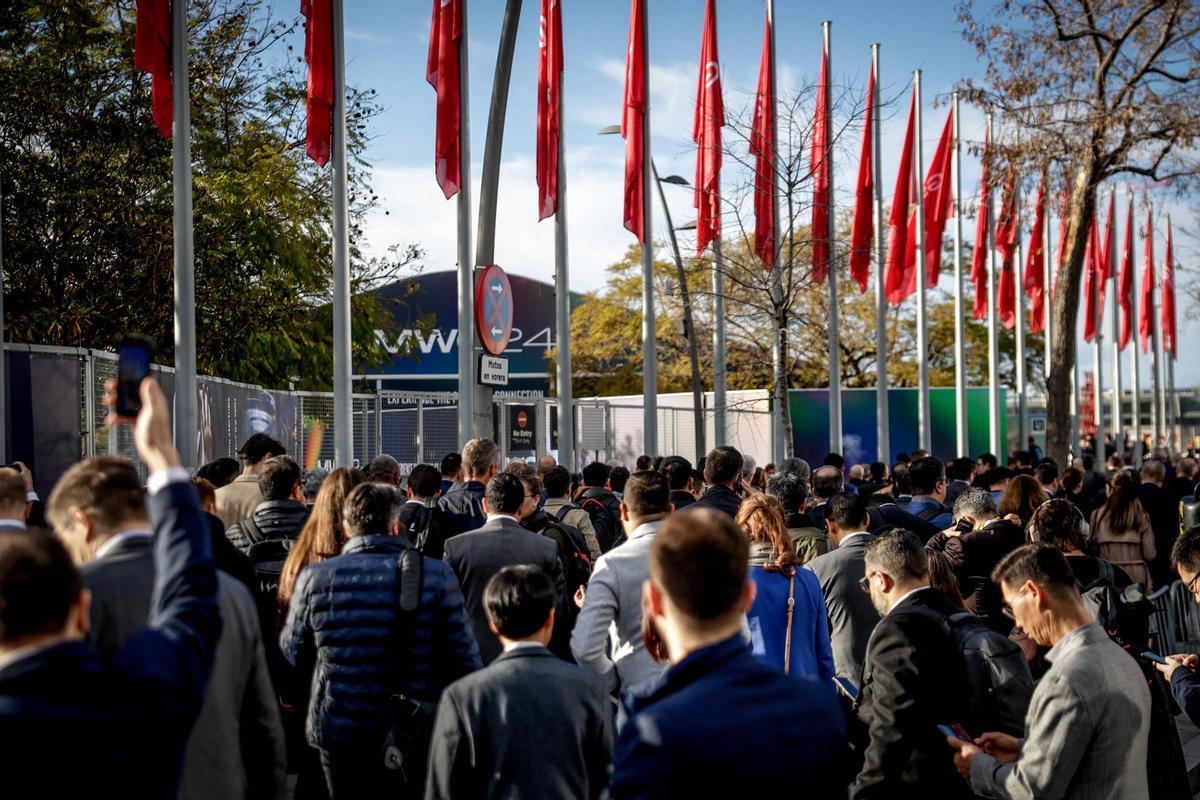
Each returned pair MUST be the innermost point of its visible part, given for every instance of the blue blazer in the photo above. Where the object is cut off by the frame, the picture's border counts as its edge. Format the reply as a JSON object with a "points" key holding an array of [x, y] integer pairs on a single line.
{"points": [[812, 652]]}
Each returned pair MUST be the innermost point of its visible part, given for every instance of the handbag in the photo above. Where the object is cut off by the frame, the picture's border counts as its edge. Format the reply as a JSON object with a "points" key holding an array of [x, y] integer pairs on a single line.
{"points": [[787, 640]]}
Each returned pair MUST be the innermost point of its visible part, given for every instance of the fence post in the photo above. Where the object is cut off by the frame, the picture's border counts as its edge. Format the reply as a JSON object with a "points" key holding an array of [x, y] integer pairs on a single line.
{"points": [[420, 430], [89, 406], [378, 417]]}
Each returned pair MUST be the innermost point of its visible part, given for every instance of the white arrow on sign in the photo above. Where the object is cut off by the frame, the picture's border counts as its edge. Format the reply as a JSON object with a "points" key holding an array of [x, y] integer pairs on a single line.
{"points": [[497, 288], [496, 332]]}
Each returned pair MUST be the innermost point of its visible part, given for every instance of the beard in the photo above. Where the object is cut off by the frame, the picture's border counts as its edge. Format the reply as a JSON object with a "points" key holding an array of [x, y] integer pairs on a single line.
{"points": [[880, 602]]}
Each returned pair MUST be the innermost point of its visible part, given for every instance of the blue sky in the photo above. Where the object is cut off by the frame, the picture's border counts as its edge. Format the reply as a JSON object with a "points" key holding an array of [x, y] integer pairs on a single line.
{"points": [[386, 42]]}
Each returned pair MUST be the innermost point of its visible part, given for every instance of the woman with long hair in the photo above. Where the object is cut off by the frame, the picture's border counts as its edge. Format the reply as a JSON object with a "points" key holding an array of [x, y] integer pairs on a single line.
{"points": [[1121, 530], [1022, 497], [789, 626], [1058, 522]]}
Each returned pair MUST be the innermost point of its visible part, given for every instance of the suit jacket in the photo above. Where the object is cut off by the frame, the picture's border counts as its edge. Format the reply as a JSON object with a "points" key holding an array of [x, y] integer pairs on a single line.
{"points": [[852, 618], [973, 556], [722, 498], [478, 555], [487, 725], [1163, 508], [463, 504], [913, 681], [73, 722], [1086, 730], [433, 522], [236, 749]]}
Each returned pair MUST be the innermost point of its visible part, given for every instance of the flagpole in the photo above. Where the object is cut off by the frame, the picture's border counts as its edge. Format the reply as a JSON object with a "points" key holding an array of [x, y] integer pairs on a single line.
{"points": [[719, 398], [1019, 326], [923, 432], [996, 445], [778, 394], [186, 425], [882, 413], [962, 444], [466, 272], [1117, 422], [1135, 356], [1160, 406], [1047, 296], [562, 304], [835, 362], [649, 334], [1169, 357]]}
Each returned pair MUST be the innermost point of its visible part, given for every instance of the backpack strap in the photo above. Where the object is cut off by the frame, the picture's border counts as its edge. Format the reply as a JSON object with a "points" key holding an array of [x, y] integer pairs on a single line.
{"points": [[252, 531], [562, 512], [787, 639], [410, 569]]}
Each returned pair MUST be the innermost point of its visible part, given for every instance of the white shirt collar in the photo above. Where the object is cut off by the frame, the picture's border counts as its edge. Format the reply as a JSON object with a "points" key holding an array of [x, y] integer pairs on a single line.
{"points": [[854, 535], [908, 595], [412, 501], [646, 528], [13, 656], [511, 646], [125, 536], [18, 524], [502, 516]]}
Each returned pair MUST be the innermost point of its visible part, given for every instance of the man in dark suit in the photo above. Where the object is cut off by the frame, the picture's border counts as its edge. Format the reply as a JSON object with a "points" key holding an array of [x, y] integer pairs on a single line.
{"points": [[852, 616], [73, 723], [425, 525], [487, 722], [913, 678], [463, 502], [1163, 510], [678, 471], [722, 473], [501, 542]]}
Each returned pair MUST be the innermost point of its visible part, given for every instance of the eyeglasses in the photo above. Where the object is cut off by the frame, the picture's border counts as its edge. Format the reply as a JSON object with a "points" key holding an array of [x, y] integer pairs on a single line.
{"points": [[1191, 585], [864, 582]]}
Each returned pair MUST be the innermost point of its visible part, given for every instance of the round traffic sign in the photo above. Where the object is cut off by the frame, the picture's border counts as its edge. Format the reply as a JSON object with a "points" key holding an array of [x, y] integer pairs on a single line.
{"points": [[493, 309], [522, 419]]}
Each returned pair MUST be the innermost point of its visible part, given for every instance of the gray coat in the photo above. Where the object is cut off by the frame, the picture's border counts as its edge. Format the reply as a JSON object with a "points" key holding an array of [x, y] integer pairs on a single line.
{"points": [[528, 725], [851, 615], [237, 748], [608, 632], [477, 555], [1086, 730]]}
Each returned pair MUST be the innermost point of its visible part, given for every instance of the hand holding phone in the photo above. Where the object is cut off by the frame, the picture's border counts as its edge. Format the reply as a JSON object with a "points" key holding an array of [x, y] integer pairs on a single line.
{"points": [[133, 366], [846, 687]]}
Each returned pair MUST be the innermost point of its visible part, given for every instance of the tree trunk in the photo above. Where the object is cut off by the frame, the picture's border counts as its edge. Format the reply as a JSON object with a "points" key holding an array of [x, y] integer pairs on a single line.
{"points": [[1065, 316], [789, 444]]}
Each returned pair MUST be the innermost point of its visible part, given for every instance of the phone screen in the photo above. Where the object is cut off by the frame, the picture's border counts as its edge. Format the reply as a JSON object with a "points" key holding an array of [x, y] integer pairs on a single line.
{"points": [[1155, 657], [846, 686], [133, 365]]}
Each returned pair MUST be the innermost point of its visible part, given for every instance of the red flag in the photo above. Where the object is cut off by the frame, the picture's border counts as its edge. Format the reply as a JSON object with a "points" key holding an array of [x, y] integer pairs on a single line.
{"points": [[1091, 274], [1006, 242], [706, 133], [863, 228], [762, 147], [938, 196], [820, 164], [1146, 308], [1125, 293], [1035, 272], [152, 53], [1168, 300], [441, 70], [318, 53], [1106, 257], [549, 124], [893, 278], [633, 121], [979, 275]]}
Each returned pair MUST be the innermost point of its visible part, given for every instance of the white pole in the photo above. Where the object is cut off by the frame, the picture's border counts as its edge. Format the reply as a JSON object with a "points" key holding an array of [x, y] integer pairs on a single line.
{"points": [[962, 444], [1135, 357], [562, 303], [1118, 424], [835, 362], [1018, 275], [1098, 360], [720, 427], [1160, 405], [924, 435], [881, 343], [466, 272], [994, 427], [649, 334], [186, 425], [1047, 294], [778, 357]]}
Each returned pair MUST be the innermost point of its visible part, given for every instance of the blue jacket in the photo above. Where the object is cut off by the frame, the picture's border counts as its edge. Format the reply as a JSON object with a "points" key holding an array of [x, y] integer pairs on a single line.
{"points": [[812, 653], [722, 723], [342, 629], [942, 521], [73, 723], [463, 504], [1185, 686]]}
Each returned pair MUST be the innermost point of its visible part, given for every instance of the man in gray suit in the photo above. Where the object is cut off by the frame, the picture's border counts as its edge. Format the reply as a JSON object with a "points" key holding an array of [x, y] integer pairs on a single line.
{"points": [[477, 555], [608, 633], [1089, 720], [851, 615], [236, 749], [530, 724]]}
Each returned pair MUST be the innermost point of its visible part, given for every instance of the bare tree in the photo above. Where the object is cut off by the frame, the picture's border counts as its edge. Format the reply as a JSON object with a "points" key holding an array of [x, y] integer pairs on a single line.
{"points": [[1092, 89]]}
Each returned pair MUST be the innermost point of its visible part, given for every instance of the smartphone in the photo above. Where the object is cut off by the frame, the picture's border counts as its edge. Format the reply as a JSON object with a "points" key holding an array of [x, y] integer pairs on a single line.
{"points": [[133, 366], [846, 687], [1155, 657], [956, 731]]}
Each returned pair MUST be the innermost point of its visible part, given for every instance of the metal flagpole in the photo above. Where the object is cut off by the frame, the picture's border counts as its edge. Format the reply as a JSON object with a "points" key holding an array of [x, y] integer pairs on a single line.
{"points": [[1047, 296], [1019, 327], [1118, 424], [1160, 406], [1169, 371], [778, 394], [996, 445], [923, 432], [649, 334], [835, 362], [881, 343], [1098, 364], [466, 274], [1135, 362], [3, 357], [962, 445], [562, 304], [719, 401], [186, 424]]}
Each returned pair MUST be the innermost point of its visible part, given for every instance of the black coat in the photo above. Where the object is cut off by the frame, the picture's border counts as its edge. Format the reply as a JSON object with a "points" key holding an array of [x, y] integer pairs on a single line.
{"points": [[722, 498], [428, 524], [682, 499], [528, 725], [1163, 508], [275, 519], [463, 505], [890, 515], [913, 681], [973, 556]]}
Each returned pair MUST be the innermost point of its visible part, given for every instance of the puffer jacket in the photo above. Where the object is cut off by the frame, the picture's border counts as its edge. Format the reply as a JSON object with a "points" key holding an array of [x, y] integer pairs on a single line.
{"points": [[276, 519], [463, 504], [342, 629]]}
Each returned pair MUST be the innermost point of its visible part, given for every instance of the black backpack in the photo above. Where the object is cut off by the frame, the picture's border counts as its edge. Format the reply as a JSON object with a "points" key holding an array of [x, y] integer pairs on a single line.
{"points": [[1124, 613], [572, 548], [267, 557], [609, 531]]}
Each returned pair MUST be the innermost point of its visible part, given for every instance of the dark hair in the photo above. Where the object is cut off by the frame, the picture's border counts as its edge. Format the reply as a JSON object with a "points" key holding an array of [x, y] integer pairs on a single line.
{"points": [[617, 478], [322, 536], [924, 475], [997, 475], [1123, 508], [942, 577], [1072, 479], [451, 464], [519, 600], [596, 474], [677, 470], [1022, 456], [900, 478], [988, 460], [902, 458], [259, 448], [425, 481], [1088, 461], [1046, 473], [647, 493], [847, 511], [279, 478], [878, 470], [701, 560], [960, 469], [1022, 497], [643, 462], [533, 482], [761, 517], [505, 493], [557, 481], [722, 464], [106, 487], [220, 472], [1058, 523], [205, 491], [1186, 550], [827, 481], [384, 469], [1043, 564], [789, 490], [370, 509], [834, 460], [38, 585], [12, 487], [899, 554], [656, 463]]}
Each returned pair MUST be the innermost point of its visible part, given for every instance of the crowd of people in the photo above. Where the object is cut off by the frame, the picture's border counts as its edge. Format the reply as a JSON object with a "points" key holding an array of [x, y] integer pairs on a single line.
{"points": [[472, 629]]}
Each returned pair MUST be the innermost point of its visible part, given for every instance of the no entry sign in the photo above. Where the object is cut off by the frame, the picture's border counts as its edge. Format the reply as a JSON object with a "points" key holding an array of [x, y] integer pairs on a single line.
{"points": [[493, 309]]}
